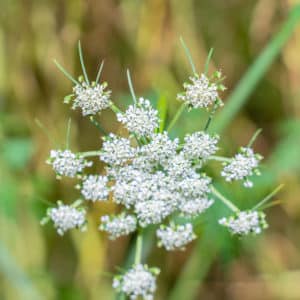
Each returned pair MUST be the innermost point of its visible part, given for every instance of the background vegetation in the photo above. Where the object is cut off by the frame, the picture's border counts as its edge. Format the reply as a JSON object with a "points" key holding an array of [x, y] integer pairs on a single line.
{"points": [[35, 263]]}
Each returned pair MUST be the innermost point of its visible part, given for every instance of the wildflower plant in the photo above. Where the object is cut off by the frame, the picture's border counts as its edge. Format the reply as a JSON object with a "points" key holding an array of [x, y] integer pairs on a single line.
{"points": [[156, 180]]}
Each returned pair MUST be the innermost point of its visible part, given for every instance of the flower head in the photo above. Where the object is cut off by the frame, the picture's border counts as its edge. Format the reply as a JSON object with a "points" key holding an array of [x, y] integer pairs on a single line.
{"points": [[200, 92], [66, 217], [116, 150], [241, 166], [118, 226], [245, 222], [160, 149], [140, 118], [138, 281], [91, 98], [200, 145], [66, 163], [175, 237], [194, 207], [94, 188]]}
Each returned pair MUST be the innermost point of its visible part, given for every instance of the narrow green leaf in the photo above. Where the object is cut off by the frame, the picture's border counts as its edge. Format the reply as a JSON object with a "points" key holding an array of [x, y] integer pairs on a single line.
{"points": [[65, 72], [82, 63], [249, 81], [99, 71], [188, 55], [131, 86]]}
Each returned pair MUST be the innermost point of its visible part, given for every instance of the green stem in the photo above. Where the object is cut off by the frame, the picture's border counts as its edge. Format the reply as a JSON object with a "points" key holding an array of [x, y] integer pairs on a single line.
{"points": [[97, 124], [176, 117], [115, 108], [138, 249], [211, 115], [89, 153], [68, 134], [227, 202], [219, 158]]}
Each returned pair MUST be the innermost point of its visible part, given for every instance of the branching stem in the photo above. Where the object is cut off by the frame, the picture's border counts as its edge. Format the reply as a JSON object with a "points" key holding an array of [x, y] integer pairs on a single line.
{"points": [[227, 202]]}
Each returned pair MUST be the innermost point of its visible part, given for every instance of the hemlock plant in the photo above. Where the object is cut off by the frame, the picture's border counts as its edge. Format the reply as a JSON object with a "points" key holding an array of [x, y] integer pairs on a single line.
{"points": [[152, 177]]}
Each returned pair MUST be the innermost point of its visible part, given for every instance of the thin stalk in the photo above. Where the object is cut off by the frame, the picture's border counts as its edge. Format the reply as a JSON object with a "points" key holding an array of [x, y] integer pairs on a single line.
{"points": [[68, 135], [227, 202], [82, 63], [211, 115], [89, 153], [131, 86], [99, 72], [188, 55], [115, 108], [268, 197], [66, 73], [138, 249], [97, 124], [254, 137], [176, 117], [219, 158]]}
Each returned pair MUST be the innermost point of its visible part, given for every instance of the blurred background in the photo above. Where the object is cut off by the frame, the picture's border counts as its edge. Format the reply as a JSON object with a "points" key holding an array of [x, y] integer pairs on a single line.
{"points": [[35, 263]]}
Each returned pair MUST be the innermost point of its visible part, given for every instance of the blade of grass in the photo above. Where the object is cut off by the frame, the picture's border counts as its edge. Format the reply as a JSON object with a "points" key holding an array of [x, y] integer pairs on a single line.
{"points": [[249, 81]]}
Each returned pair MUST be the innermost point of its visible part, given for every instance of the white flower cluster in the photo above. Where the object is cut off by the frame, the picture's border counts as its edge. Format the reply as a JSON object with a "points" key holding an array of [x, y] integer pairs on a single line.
{"points": [[66, 163], [241, 166], [116, 150], [140, 118], [91, 98], [66, 217], [200, 93], [140, 281], [94, 188], [158, 182], [245, 222], [154, 178], [118, 226], [175, 237], [200, 145]]}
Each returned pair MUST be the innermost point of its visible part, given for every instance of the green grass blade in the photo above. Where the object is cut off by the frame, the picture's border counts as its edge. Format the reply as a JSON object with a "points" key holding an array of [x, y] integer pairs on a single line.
{"points": [[248, 83]]}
